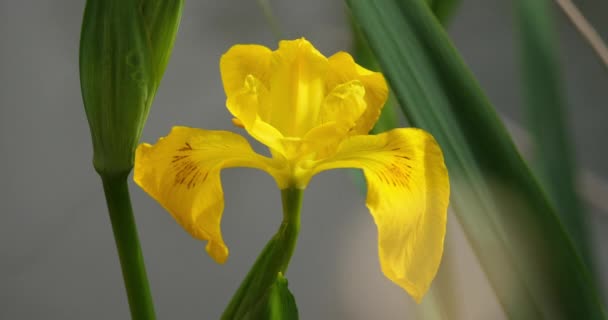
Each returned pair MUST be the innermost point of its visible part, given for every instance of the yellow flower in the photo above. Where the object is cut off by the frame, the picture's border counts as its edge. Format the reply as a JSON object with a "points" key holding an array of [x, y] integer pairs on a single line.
{"points": [[314, 114]]}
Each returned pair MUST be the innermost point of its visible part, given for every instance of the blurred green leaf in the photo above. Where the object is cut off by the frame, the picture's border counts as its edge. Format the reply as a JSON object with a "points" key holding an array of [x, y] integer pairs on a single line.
{"points": [[364, 56], [546, 118], [389, 119], [443, 9], [441, 303], [527, 256]]}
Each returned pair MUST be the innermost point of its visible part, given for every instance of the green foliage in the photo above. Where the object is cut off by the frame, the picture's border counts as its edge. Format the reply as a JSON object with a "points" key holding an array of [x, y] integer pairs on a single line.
{"points": [[116, 189], [443, 9], [527, 256], [545, 110], [124, 48], [364, 56], [277, 304], [264, 289]]}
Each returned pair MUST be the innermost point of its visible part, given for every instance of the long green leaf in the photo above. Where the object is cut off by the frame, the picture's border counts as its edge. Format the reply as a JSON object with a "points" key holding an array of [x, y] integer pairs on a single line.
{"points": [[364, 56], [544, 109], [443, 9], [441, 302], [527, 256]]}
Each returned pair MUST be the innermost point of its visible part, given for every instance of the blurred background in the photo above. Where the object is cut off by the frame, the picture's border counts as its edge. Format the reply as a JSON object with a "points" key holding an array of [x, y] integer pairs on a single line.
{"points": [[57, 254]]}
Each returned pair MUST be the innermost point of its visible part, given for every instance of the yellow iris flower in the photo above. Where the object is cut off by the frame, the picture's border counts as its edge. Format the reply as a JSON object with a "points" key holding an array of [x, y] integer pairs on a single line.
{"points": [[314, 114]]}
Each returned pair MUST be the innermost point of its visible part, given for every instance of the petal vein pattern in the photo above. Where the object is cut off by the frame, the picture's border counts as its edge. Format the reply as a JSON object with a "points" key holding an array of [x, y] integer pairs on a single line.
{"points": [[182, 172], [408, 195], [314, 114]]}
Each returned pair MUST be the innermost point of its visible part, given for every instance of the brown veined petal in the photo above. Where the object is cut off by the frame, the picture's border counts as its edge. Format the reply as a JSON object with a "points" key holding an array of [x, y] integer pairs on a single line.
{"points": [[242, 60], [342, 68], [407, 194], [182, 173]]}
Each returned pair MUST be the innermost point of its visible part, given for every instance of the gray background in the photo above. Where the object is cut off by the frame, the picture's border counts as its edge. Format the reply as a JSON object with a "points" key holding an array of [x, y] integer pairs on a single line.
{"points": [[57, 256]]}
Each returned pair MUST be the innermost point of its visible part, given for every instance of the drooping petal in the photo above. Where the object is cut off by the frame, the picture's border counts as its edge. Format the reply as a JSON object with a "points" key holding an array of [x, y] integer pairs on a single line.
{"points": [[182, 173], [297, 87], [342, 68], [243, 60], [408, 193]]}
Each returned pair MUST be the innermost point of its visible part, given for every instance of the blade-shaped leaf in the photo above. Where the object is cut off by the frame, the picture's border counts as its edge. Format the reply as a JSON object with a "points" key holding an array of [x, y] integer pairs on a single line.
{"points": [[527, 256], [441, 301], [443, 9], [545, 111], [365, 57]]}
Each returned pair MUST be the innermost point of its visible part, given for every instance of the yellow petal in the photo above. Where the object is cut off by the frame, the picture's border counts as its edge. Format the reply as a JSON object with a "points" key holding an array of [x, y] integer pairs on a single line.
{"points": [[243, 60], [342, 68], [294, 75], [182, 172], [245, 104], [297, 87], [341, 109], [408, 194]]}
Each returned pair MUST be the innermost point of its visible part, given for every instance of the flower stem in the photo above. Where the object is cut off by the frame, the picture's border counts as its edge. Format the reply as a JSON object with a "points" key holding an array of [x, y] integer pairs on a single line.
{"points": [[272, 262], [127, 243]]}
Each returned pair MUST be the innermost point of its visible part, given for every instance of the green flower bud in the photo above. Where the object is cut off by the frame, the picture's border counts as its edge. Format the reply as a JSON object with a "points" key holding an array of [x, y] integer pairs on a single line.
{"points": [[124, 48]]}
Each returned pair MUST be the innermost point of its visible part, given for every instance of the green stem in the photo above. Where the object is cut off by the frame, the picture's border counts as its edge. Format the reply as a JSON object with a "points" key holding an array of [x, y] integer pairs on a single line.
{"points": [[127, 243], [273, 260]]}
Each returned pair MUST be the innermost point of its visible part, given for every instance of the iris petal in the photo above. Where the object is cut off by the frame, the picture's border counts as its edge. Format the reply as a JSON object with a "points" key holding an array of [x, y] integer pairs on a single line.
{"points": [[243, 60], [342, 68], [182, 173], [340, 110], [408, 193], [283, 93], [245, 104], [314, 114], [297, 87]]}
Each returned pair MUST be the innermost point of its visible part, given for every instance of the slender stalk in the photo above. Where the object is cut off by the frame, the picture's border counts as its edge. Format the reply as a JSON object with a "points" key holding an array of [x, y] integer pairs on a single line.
{"points": [[271, 19], [586, 29], [127, 244], [273, 260]]}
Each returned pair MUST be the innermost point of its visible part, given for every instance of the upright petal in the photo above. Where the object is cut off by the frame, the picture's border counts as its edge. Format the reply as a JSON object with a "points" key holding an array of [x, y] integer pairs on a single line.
{"points": [[245, 104], [339, 113], [408, 194], [243, 60], [276, 96], [297, 87], [182, 173], [342, 68]]}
